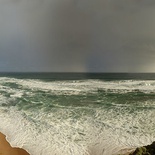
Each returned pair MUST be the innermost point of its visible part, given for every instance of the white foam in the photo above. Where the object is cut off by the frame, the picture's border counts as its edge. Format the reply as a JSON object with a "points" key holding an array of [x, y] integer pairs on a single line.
{"points": [[64, 132], [82, 86], [41, 133]]}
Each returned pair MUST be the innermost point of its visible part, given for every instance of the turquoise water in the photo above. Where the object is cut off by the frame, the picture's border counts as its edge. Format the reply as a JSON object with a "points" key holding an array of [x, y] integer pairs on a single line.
{"points": [[77, 114]]}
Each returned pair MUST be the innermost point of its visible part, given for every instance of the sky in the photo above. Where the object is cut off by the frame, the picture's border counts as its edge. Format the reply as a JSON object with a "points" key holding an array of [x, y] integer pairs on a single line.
{"points": [[77, 36]]}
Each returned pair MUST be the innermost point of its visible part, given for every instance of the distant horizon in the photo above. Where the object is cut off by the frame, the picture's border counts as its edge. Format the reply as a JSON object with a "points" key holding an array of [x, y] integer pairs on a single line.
{"points": [[84, 72], [78, 75]]}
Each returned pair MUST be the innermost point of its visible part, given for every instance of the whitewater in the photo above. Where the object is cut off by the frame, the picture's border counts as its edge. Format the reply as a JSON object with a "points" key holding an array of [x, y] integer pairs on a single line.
{"points": [[77, 117]]}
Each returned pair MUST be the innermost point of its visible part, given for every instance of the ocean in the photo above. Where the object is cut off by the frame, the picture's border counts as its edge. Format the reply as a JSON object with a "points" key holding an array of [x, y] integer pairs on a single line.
{"points": [[77, 113]]}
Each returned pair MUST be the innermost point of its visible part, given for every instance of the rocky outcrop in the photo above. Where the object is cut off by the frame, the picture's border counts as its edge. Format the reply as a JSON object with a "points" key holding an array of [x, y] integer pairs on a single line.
{"points": [[145, 150]]}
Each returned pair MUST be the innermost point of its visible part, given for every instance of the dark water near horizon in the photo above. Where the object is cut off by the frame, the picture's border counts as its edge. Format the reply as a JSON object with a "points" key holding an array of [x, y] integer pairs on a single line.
{"points": [[76, 113], [80, 76]]}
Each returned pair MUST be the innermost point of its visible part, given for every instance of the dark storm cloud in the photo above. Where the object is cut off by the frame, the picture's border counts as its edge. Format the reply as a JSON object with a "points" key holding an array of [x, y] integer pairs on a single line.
{"points": [[77, 35]]}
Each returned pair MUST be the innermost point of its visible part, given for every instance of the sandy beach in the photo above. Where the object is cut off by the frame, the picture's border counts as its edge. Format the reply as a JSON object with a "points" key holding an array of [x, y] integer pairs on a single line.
{"points": [[6, 149]]}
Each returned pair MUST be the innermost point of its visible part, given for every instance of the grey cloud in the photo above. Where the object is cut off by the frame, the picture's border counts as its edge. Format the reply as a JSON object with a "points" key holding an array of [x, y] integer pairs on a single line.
{"points": [[77, 35]]}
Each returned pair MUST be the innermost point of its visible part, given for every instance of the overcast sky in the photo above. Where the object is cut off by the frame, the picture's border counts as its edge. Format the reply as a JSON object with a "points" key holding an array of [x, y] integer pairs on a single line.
{"points": [[77, 35]]}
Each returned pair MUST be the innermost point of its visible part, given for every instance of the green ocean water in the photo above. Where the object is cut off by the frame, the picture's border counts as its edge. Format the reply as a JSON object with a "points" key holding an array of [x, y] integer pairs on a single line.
{"points": [[76, 113]]}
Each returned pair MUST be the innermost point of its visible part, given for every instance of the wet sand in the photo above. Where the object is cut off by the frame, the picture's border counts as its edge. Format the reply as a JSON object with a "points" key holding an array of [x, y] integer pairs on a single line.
{"points": [[6, 149]]}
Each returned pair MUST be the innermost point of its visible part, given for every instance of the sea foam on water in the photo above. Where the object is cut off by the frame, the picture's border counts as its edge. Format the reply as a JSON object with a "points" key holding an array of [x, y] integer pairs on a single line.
{"points": [[77, 117]]}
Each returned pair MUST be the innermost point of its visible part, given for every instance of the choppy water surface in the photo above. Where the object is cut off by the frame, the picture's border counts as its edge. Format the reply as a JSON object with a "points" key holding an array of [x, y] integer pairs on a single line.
{"points": [[77, 117]]}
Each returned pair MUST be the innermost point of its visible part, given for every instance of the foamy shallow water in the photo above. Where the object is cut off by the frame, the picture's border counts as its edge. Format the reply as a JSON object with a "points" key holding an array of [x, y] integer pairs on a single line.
{"points": [[77, 117]]}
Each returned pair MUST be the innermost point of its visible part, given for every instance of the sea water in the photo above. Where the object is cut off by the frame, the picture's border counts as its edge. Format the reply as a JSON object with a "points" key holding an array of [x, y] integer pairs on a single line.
{"points": [[77, 114]]}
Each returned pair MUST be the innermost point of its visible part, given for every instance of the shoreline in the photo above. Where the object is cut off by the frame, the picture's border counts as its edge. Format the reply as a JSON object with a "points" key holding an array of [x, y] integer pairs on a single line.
{"points": [[6, 149]]}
